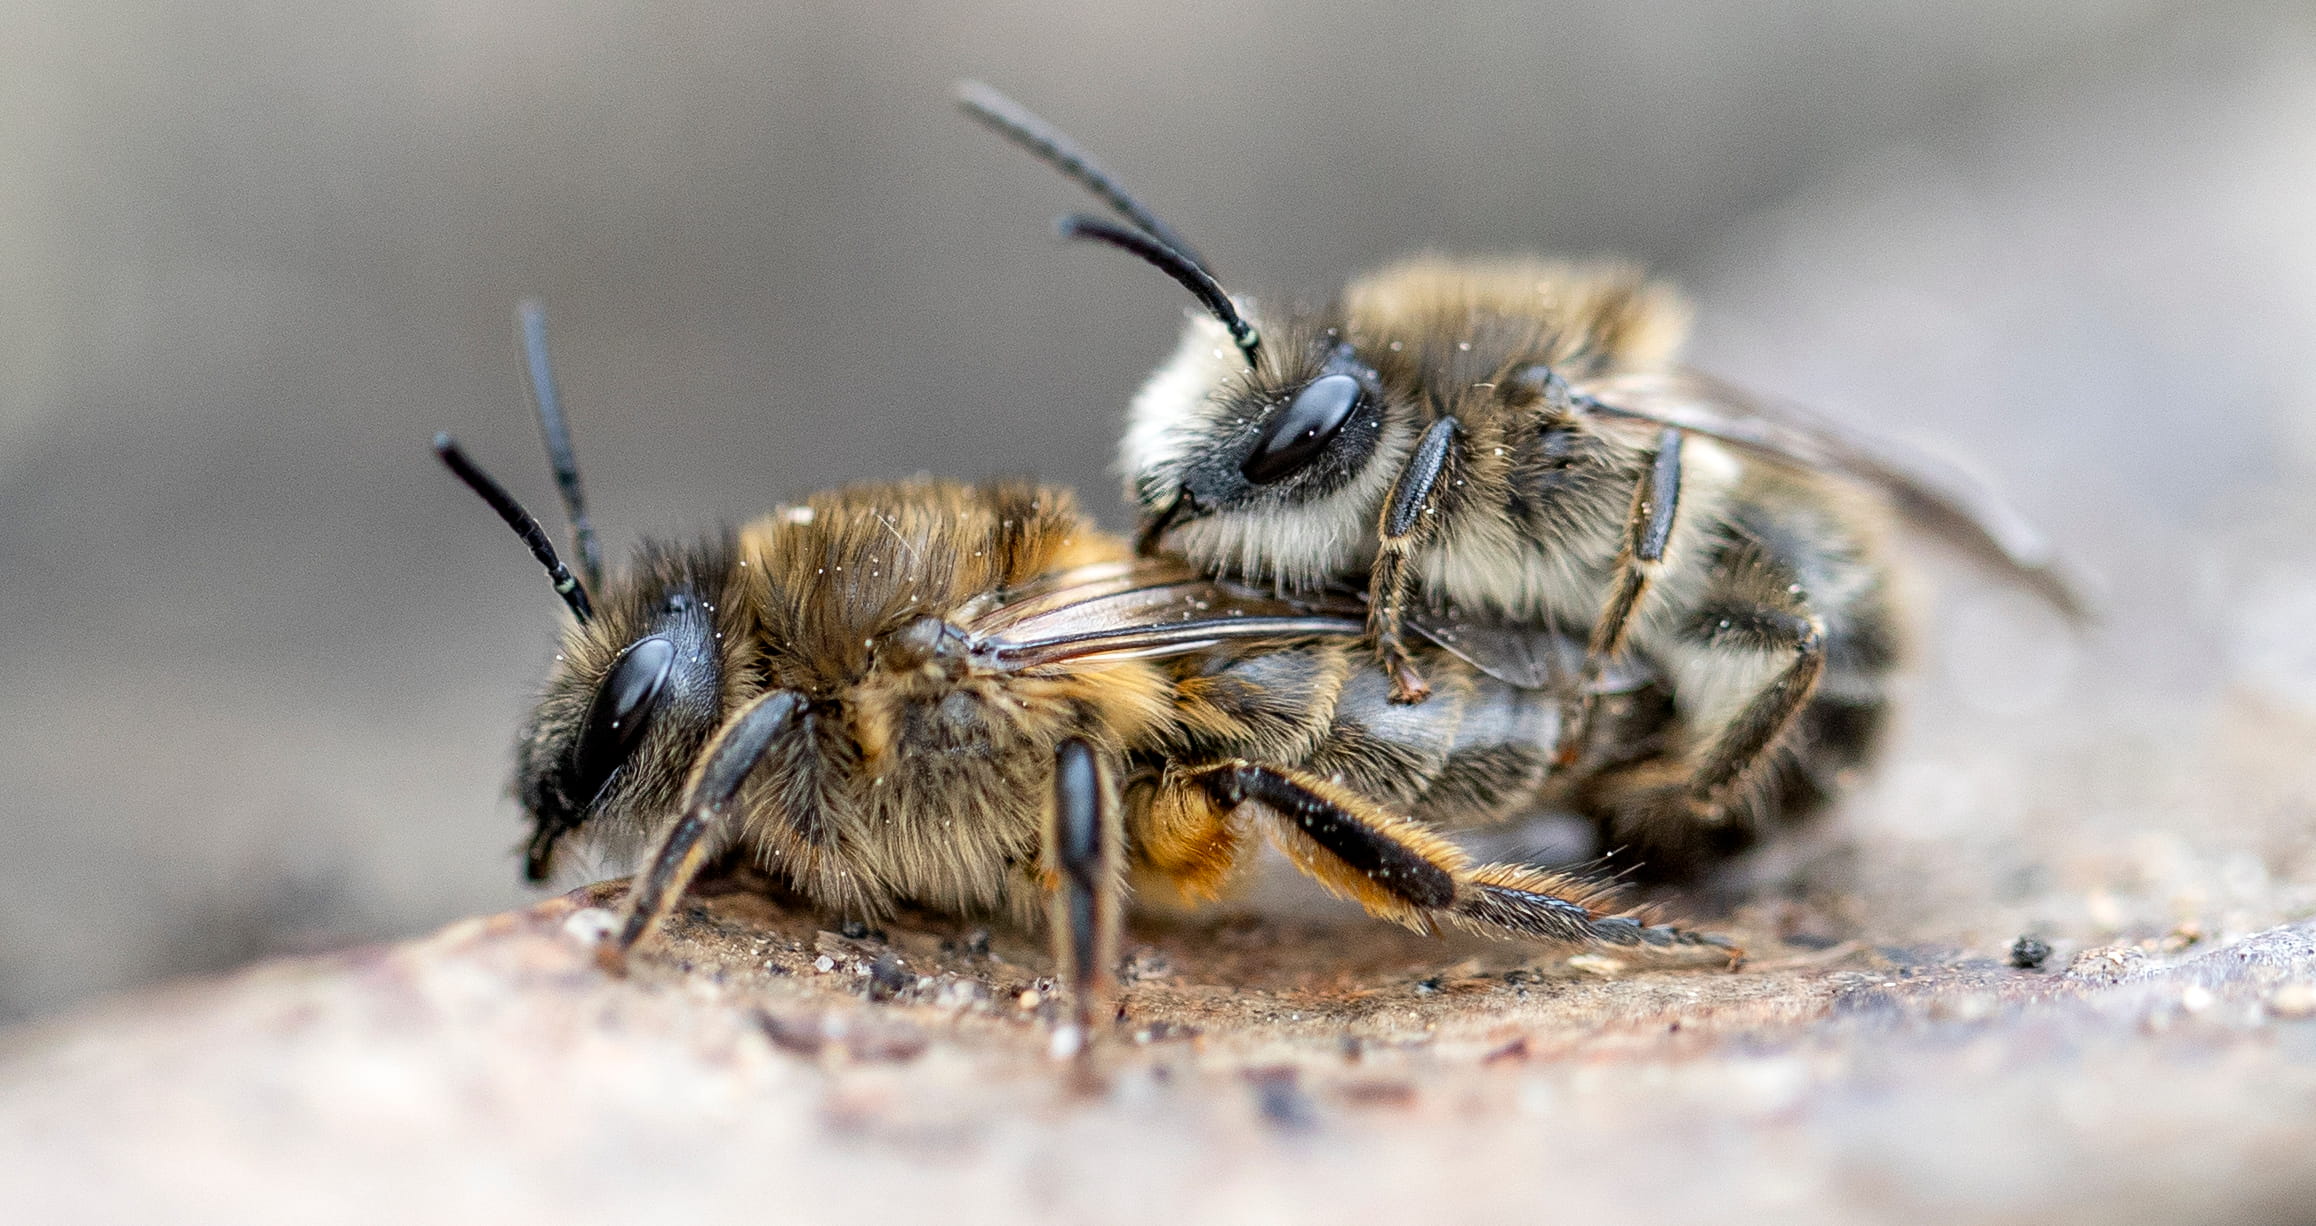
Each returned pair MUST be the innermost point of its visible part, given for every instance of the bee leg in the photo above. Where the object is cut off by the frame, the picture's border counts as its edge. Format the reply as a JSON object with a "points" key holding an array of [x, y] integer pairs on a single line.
{"points": [[1648, 528], [1402, 870], [738, 746], [1084, 838], [1408, 523], [1751, 740]]}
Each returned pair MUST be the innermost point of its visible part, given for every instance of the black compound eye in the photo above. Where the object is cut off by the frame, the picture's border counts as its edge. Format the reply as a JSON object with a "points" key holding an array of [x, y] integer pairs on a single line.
{"points": [[620, 714], [1299, 432]]}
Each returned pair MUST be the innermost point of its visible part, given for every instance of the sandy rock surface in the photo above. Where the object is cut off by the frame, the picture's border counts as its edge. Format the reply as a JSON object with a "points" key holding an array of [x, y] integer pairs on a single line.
{"points": [[759, 1067]]}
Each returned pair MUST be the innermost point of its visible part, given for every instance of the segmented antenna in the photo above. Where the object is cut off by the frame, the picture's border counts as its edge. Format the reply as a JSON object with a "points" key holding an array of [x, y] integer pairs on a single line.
{"points": [[531, 320], [498, 499], [1051, 146], [1197, 280]]}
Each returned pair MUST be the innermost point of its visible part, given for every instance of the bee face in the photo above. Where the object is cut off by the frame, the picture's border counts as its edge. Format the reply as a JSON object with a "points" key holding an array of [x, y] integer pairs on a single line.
{"points": [[639, 690], [1265, 468]]}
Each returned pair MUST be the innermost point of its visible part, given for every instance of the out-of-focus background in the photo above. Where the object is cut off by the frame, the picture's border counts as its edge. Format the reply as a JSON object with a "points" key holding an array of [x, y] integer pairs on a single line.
{"points": [[260, 661]]}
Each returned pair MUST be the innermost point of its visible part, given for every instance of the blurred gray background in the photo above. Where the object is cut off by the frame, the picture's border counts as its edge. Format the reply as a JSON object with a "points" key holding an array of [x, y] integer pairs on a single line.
{"points": [[260, 661]]}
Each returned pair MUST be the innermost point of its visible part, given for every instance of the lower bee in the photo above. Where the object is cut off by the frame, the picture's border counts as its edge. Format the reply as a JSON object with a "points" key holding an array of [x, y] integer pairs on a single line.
{"points": [[969, 698], [1517, 437]]}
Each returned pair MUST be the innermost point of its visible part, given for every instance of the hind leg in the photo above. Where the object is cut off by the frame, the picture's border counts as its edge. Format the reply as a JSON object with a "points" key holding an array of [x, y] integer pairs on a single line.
{"points": [[1401, 870], [1710, 797]]}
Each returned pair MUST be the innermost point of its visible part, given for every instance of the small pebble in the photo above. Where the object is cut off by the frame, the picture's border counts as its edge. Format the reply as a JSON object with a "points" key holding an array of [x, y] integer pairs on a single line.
{"points": [[886, 978], [2196, 998], [2028, 953], [824, 964]]}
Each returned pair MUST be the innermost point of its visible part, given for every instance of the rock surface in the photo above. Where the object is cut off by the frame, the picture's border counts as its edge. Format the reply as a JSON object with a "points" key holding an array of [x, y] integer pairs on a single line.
{"points": [[758, 1067]]}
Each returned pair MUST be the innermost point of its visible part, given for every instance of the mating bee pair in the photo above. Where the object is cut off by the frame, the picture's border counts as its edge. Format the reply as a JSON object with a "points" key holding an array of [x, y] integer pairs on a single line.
{"points": [[1588, 574]]}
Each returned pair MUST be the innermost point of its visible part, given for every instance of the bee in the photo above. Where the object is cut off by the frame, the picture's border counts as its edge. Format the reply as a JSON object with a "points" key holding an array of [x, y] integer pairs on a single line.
{"points": [[1517, 436], [968, 697]]}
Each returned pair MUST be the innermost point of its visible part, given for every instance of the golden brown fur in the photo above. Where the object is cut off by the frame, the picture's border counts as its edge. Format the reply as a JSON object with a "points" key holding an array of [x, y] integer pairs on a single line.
{"points": [[910, 764]]}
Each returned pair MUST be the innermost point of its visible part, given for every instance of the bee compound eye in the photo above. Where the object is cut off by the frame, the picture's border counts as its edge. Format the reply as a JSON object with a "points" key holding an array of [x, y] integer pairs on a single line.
{"points": [[622, 711], [1298, 432]]}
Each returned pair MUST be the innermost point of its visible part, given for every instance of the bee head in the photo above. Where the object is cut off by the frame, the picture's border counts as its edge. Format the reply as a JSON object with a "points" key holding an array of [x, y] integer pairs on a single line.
{"points": [[1279, 468], [645, 670], [636, 693], [1256, 448]]}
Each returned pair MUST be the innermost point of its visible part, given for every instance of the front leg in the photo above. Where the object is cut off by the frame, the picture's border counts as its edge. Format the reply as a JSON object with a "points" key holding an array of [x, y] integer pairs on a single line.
{"points": [[704, 821], [1083, 845], [1409, 523]]}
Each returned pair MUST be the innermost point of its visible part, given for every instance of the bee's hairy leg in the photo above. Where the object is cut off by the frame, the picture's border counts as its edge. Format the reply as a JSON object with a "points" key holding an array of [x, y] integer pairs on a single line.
{"points": [[1752, 739], [1085, 839], [1408, 523], [738, 746], [1648, 528], [1400, 869]]}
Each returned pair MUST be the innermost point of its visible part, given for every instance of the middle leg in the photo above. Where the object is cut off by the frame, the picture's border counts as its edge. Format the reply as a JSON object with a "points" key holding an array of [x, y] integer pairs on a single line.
{"points": [[1410, 520], [1648, 530]]}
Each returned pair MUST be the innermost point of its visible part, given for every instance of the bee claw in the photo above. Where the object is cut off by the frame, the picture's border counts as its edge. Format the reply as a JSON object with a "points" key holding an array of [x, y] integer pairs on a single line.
{"points": [[1408, 688]]}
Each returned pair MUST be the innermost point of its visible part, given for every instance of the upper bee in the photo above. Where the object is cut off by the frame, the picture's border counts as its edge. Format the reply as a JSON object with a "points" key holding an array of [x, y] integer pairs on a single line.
{"points": [[1280, 470], [1515, 436]]}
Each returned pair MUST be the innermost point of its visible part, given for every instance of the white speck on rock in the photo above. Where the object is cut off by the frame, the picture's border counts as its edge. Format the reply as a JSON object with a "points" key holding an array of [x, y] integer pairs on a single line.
{"points": [[590, 925]]}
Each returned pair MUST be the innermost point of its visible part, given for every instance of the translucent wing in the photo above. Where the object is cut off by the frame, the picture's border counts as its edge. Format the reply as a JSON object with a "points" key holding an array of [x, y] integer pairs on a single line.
{"points": [[1138, 610], [1522, 654], [1935, 495]]}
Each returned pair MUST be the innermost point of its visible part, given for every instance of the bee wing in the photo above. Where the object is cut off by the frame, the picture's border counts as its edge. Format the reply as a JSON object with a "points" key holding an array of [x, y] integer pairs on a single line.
{"points": [[1933, 494], [1524, 654], [1137, 611]]}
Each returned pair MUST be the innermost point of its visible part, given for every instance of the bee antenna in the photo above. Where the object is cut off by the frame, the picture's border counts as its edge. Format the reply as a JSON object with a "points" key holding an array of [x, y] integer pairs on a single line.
{"points": [[1197, 280], [498, 499], [1051, 146], [531, 320]]}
